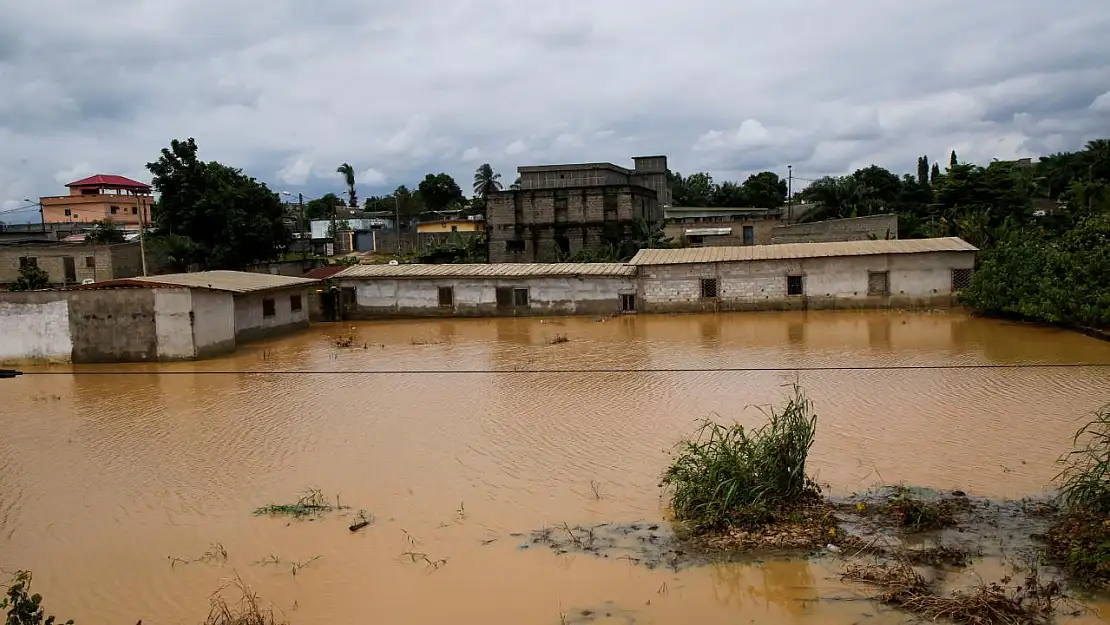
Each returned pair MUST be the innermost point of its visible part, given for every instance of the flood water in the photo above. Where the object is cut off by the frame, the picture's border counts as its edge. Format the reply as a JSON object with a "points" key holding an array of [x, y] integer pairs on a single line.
{"points": [[108, 474]]}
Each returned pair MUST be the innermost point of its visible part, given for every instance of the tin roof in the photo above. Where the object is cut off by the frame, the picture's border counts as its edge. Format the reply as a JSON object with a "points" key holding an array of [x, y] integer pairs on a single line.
{"points": [[500, 270], [111, 181], [323, 273], [230, 281], [784, 251]]}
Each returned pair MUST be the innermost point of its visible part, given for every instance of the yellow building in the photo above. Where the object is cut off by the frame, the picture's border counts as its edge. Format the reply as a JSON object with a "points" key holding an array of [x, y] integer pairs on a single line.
{"points": [[447, 226], [98, 198]]}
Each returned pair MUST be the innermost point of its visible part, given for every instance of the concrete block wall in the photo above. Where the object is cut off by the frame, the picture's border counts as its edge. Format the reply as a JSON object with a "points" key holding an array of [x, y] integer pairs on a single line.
{"points": [[251, 323], [478, 296], [852, 229], [34, 328], [93, 262], [761, 231]]}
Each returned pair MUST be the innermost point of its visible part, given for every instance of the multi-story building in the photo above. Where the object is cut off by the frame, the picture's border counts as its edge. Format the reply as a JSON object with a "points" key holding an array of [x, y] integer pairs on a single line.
{"points": [[99, 198], [562, 210]]}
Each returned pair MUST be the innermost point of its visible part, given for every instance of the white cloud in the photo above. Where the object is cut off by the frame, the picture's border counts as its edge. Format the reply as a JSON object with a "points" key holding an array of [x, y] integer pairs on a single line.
{"points": [[371, 177], [115, 85]]}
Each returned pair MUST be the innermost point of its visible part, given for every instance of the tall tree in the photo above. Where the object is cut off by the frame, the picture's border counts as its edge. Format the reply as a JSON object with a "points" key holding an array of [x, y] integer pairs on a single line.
{"points": [[952, 161], [934, 173], [440, 191], [322, 207], [923, 170], [486, 181], [348, 174], [765, 190], [229, 220]]}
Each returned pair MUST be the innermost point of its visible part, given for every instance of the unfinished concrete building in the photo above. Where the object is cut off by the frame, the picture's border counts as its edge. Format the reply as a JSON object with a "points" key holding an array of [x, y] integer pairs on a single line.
{"points": [[560, 211]]}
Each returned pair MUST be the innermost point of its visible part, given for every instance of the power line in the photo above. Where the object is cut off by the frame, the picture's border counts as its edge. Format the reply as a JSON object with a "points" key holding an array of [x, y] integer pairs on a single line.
{"points": [[592, 370]]}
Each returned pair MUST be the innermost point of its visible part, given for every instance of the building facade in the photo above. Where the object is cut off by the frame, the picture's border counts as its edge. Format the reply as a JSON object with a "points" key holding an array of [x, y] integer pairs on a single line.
{"points": [[562, 210], [910, 273], [830, 230], [160, 318], [103, 197], [707, 227], [514, 289], [71, 263]]}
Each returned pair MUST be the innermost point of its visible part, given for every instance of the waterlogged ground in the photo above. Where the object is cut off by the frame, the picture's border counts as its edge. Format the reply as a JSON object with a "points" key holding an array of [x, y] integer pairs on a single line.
{"points": [[111, 479]]}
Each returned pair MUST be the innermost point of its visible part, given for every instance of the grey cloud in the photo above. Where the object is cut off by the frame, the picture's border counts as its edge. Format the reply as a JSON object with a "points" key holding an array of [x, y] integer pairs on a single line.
{"points": [[286, 90]]}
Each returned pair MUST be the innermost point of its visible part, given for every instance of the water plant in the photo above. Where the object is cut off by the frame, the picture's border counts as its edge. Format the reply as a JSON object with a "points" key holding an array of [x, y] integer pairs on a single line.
{"points": [[312, 501], [22, 607], [917, 514], [247, 611], [729, 475]]}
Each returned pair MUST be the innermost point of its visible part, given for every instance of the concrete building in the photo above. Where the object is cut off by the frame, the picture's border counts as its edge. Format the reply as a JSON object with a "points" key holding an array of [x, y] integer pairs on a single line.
{"points": [[487, 290], [159, 318], [561, 210], [905, 273], [830, 230], [71, 263], [447, 226], [97, 198], [720, 226]]}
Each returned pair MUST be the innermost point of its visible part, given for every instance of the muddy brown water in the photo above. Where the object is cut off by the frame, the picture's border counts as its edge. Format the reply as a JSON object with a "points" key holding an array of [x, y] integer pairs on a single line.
{"points": [[106, 477]]}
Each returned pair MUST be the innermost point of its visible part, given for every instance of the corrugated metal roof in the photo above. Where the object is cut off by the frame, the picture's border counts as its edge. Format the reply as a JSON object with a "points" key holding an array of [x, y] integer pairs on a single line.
{"points": [[323, 273], [501, 270], [230, 281], [109, 180], [784, 251]]}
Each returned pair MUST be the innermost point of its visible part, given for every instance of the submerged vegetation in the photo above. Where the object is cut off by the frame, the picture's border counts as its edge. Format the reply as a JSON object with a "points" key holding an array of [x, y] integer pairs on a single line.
{"points": [[727, 475], [311, 502], [1080, 540], [22, 607], [918, 514]]}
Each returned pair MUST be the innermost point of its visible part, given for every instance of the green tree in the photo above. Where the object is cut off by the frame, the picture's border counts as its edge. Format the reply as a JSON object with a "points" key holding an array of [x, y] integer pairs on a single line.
{"points": [[729, 194], [31, 278], [232, 219], [322, 207], [923, 170], [486, 182], [952, 161], [934, 173], [348, 174], [440, 191], [764, 190], [104, 232]]}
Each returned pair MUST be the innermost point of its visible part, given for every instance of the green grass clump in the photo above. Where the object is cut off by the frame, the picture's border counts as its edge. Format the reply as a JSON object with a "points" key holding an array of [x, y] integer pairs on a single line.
{"points": [[918, 515], [728, 475], [312, 501], [1080, 540]]}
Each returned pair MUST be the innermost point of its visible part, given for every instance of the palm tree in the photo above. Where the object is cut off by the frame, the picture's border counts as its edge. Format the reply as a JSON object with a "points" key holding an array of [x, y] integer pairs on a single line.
{"points": [[486, 181], [348, 173]]}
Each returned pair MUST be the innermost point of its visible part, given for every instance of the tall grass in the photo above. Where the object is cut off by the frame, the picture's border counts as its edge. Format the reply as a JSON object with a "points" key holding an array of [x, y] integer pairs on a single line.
{"points": [[1085, 479], [728, 475]]}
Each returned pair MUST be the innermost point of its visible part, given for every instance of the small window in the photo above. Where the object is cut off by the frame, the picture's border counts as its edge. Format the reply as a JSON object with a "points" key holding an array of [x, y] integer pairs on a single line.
{"points": [[69, 213], [961, 279], [134, 210], [114, 209], [520, 298], [446, 296], [28, 261], [794, 285], [878, 283], [268, 307], [560, 209], [90, 262], [514, 245], [628, 302], [709, 288], [695, 240], [294, 303], [563, 243]]}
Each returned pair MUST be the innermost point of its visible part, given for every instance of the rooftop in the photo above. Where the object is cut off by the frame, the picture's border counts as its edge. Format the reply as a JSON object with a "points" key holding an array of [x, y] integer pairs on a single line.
{"points": [[501, 270], [786, 251], [110, 181], [229, 281]]}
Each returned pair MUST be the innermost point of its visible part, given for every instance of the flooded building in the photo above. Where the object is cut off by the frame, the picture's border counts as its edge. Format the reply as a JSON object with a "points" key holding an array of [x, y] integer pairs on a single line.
{"points": [[507, 289], [71, 263], [720, 226], [157, 318], [857, 274], [562, 210]]}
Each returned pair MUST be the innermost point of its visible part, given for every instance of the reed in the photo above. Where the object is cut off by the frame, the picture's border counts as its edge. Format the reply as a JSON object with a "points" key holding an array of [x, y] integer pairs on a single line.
{"points": [[730, 475], [1085, 479]]}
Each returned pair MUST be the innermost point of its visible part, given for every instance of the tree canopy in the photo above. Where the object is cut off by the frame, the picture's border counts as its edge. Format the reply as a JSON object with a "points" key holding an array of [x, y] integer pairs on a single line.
{"points": [[223, 218], [440, 192], [763, 190]]}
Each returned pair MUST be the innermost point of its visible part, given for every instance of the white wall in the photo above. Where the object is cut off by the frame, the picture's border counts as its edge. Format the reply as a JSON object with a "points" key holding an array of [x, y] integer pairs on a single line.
{"points": [[911, 276], [251, 323], [35, 331], [554, 295], [213, 321], [173, 324]]}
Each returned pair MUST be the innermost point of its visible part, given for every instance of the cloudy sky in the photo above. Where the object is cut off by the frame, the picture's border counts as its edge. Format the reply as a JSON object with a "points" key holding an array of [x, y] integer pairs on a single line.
{"points": [[288, 89]]}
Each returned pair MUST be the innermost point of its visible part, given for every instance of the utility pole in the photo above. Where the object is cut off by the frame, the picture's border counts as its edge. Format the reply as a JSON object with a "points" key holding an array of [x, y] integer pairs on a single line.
{"points": [[334, 230], [142, 244], [397, 220], [300, 203], [789, 194]]}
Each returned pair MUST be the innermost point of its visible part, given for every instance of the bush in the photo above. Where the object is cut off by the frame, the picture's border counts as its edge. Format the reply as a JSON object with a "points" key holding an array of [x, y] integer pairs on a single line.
{"points": [[1085, 480], [24, 608], [31, 278], [727, 475]]}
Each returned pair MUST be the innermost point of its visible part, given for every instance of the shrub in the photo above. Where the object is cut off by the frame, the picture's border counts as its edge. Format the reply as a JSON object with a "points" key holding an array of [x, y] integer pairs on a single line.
{"points": [[728, 475], [24, 608], [1085, 480]]}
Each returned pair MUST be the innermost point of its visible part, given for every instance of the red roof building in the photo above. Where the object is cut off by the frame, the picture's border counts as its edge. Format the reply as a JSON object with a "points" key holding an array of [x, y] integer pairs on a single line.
{"points": [[110, 182], [103, 197]]}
